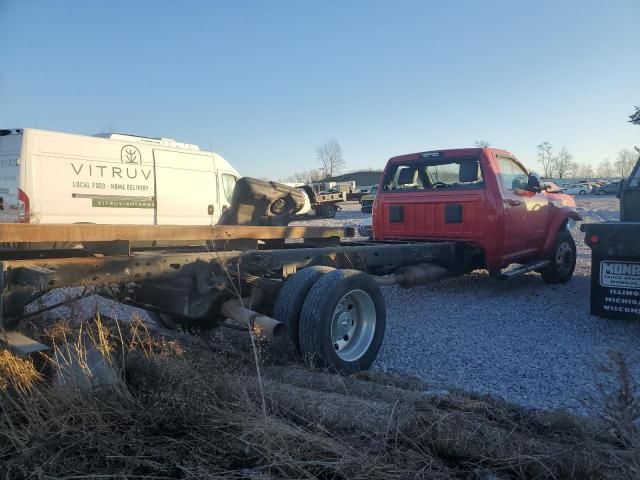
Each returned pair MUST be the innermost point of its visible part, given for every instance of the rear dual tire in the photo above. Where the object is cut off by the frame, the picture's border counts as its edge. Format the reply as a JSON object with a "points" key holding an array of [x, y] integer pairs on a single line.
{"points": [[342, 322], [336, 318], [289, 302]]}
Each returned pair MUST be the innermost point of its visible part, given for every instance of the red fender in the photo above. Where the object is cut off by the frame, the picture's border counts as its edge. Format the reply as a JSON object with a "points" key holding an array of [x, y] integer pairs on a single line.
{"points": [[560, 217]]}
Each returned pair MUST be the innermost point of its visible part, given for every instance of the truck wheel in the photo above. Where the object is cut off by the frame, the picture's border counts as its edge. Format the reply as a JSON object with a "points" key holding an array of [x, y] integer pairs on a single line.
{"points": [[292, 295], [343, 321], [563, 260], [330, 211], [582, 192]]}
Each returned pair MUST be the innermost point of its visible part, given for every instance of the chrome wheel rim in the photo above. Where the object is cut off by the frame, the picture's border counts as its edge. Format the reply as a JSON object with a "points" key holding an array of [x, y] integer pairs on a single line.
{"points": [[353, 325], [564, 258]]}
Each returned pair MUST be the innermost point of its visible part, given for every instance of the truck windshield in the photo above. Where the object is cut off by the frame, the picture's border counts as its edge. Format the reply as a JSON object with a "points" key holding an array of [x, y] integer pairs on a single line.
{"points": [[437, 173]]}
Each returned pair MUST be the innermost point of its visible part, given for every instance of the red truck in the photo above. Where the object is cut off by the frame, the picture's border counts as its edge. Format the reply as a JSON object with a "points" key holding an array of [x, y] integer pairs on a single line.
{"points": [[436, 214], [486, 200]]}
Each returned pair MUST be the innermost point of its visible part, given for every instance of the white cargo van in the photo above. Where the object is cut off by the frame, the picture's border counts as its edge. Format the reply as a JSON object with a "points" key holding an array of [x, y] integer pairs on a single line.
{"points": [[53, 177]]}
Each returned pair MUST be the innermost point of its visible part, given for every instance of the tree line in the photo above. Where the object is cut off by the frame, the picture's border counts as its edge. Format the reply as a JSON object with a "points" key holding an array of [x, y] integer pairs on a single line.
{"points": [[561, 164]]}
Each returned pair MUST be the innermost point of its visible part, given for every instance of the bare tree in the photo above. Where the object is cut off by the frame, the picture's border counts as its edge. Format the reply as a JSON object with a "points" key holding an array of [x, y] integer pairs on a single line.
{"points": [[584, 170], [605, 169], [562, 164], [307, 177], [329, 155], [625, 162], [545, 157], [481, 143]]}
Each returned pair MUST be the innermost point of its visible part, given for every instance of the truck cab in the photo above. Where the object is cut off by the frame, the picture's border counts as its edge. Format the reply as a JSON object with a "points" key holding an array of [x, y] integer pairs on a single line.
{"points": [[628, 192], [482, 197]]}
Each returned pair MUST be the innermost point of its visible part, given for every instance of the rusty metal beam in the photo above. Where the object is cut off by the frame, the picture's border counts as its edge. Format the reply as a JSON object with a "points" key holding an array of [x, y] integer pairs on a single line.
{"points": [[32, 233]]}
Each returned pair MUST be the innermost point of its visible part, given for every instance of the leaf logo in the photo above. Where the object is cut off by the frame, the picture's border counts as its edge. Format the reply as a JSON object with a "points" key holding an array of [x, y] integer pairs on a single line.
{"points": [[130, 155]]}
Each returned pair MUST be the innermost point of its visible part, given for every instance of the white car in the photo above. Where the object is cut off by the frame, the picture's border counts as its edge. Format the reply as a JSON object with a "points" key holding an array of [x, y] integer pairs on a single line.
{"points": [[577, 189]]}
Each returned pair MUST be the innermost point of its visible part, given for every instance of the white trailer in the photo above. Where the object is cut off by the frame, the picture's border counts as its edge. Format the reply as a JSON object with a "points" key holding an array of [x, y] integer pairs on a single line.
{"points": [[53, 177]]}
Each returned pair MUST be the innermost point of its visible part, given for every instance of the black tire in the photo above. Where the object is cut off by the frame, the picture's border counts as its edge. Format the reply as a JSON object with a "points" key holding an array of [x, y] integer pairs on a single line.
{"points": [[330, 211], [291, 298], [582, 192], [320, 307], [563, 260]]}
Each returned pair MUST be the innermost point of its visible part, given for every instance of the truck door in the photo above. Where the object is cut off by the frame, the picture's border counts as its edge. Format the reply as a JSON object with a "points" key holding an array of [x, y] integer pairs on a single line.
{"points": [[525, 213], [186, 188], [629, 195]]}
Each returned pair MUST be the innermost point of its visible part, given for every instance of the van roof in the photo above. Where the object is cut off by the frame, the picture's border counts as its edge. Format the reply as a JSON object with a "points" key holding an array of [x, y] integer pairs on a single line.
{"points": [[165, 142]]}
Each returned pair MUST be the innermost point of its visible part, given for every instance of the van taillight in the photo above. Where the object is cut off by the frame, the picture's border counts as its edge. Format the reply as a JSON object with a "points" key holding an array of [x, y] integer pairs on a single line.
{"points": [[24, 209]]}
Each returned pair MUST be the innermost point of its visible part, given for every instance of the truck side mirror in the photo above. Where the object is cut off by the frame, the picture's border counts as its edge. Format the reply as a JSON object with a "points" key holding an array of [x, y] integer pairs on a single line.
{"points": [[620, 188], [533, 183]]}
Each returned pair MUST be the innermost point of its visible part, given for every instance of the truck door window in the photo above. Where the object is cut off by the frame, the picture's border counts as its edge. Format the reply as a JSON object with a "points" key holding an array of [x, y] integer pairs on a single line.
{"points": [[438, 173], [228, 184], [512, 176]]}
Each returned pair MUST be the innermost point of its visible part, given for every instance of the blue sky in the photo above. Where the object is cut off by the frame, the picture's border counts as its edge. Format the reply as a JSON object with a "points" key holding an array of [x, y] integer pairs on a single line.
{"points": [[265, 82]]}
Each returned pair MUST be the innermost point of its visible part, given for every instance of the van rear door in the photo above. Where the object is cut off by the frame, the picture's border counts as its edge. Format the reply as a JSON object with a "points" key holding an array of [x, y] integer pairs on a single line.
{"points": [[186, 188], [10, 206]]}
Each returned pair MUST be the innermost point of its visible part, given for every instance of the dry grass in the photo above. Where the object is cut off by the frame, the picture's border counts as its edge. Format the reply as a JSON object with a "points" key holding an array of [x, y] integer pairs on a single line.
{"points": [[620, 412], [196, 412]]}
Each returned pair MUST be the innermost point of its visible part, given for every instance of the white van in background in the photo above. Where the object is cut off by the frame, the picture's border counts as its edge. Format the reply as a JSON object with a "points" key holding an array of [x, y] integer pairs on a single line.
{"points": [[53, 177]]}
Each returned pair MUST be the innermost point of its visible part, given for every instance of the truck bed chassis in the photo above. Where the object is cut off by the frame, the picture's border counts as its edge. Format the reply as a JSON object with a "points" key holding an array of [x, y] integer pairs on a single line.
{"points": [[192, 282]]}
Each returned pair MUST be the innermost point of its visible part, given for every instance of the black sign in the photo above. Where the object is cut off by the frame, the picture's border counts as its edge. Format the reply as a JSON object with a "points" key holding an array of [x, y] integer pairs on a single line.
{"points": [[615, 287]]}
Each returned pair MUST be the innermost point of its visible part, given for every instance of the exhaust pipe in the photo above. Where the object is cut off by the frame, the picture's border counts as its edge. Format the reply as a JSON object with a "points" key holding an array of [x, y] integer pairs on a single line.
{"points": [[262, 324], [414, 275]]}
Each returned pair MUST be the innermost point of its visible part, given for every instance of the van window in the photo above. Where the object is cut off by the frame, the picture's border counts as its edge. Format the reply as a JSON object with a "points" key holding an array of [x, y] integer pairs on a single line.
{"points": [[437, 173], [512, 176], [228, 184]]}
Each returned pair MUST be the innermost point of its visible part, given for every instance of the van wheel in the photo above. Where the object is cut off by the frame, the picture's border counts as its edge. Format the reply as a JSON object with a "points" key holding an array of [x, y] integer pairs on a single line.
{"points": [[291, 298], [563, 260], [342, 322]]}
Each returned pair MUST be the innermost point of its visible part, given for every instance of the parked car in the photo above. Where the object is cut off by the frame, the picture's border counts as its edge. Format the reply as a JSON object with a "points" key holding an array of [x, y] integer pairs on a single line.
{"points": [[578, 189], [552, 187], [556, 192], [608, 189]]}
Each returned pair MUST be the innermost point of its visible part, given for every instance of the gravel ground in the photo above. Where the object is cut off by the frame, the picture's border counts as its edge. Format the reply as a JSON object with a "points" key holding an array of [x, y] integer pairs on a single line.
{"points": [[523, 340]]}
